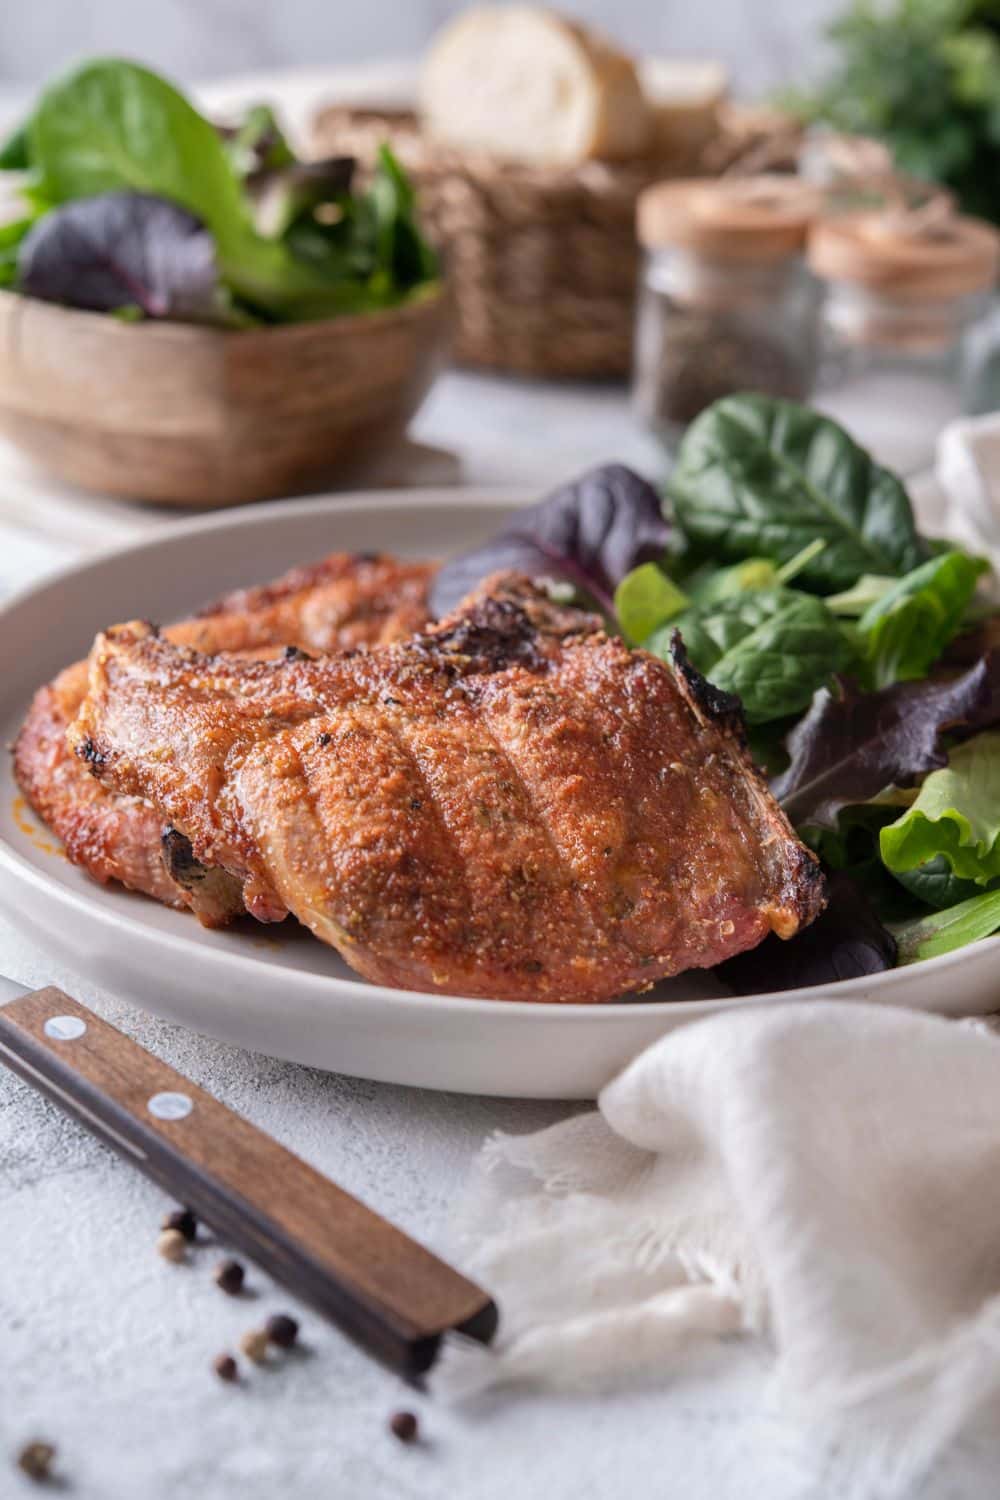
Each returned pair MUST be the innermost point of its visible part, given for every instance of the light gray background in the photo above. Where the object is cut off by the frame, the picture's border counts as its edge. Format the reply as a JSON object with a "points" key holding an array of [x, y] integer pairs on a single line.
{"points": [[764, 41]]}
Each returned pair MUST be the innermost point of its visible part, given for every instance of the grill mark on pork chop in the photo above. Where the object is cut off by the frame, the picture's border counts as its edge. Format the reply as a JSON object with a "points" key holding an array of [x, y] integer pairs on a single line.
{"points": [[506, 860], [440, 739], [537, 699], [361, 888], [573, 725], [496, 633]]}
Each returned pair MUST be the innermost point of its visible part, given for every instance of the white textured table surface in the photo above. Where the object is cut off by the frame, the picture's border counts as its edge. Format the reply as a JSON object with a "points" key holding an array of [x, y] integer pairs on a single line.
{"points": [[106, 1350]]}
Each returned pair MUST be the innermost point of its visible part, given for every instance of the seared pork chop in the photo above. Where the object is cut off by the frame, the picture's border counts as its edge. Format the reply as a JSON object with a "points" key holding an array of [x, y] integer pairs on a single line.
{"points": [[510, 804], [340, 602]]}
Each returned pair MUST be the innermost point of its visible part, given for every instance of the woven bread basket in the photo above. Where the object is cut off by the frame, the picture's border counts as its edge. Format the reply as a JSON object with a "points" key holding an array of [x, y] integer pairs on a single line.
{"points": [[542, 262]]}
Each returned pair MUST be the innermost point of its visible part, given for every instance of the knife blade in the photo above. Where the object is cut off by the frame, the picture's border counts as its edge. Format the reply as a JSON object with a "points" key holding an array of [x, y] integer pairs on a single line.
{"points": [[382, 1288]]}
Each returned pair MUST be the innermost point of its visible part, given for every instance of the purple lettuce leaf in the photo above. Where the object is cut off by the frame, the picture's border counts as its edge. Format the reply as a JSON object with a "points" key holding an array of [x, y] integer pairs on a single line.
{"points": [[119, 250], [846, 941], [588, 533], [852, 745]]}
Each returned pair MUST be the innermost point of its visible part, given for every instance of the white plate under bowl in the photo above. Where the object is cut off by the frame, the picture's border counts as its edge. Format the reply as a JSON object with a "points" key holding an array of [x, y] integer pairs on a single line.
{"points": [[276, 989]]}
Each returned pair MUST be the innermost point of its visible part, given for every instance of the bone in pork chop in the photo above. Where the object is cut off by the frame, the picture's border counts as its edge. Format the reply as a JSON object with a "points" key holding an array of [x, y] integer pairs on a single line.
{"points": [[509, 805], [340, 602]]}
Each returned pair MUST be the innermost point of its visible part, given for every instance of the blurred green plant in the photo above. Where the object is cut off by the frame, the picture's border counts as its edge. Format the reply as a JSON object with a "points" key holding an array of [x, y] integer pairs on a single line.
{"points": [[924, 77]]}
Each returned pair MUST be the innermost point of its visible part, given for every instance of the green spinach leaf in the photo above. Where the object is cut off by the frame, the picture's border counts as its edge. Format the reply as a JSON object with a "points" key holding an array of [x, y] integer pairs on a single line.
{"points": [[12, 236], [113, 125], [868, 590], [758, 476], [772, 647], [645, 599], [400, 248], [712, 584], [15, 151], [935, 885], [715, 584], [903, 633]]}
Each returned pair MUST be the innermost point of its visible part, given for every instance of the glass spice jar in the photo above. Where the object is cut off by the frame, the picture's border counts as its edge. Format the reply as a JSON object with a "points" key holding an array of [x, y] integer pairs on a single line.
{"points": [[903, 347], [726, 302]]}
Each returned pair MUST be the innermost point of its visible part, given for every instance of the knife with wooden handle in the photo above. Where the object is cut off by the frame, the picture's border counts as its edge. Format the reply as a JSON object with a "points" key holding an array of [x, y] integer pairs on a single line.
{"points": [[387, 1292]]}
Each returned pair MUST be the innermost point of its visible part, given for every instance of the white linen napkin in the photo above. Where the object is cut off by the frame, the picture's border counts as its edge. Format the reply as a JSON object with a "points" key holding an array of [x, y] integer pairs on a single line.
{"points": [[825, 1176], [968, 470]]}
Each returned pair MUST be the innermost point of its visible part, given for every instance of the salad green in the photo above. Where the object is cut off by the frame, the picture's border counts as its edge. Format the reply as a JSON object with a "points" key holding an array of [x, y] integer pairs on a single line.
{"points": [[645, 600], [112, 128], [955, 816], [772, 646], [904, 631], [759, 477], [943, 931], [797, 579]]}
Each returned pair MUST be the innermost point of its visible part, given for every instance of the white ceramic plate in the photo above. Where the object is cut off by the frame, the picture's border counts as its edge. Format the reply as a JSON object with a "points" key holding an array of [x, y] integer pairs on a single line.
{"points": [[275, 988]]}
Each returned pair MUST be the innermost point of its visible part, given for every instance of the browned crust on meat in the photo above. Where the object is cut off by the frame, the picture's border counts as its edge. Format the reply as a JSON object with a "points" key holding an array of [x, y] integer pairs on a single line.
{"points": [[112, 838], [800, 892], [346, 600], [339, 603], [510, 805]]}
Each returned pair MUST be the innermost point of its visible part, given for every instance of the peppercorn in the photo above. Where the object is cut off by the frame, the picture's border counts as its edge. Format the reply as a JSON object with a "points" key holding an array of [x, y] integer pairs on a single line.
{"points": [[35, 1460], [282, 1330], [254, 1345], [184, 1221], [172, 1245], [404, 1426], [229, 1276], [224, 1366]]}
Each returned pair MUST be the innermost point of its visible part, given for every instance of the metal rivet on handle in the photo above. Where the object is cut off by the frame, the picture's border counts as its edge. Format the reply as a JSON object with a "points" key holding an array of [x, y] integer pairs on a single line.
{"points": [[170, 1106], [64, 1028]]}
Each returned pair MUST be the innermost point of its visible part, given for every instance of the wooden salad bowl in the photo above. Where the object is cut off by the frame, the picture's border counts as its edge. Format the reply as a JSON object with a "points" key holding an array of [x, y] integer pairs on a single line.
{"points": [[186, 415]]}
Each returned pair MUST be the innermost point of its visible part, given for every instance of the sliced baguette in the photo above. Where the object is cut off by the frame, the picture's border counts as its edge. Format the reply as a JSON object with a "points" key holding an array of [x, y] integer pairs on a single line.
{"points": [[522, 83], [684, 98]]}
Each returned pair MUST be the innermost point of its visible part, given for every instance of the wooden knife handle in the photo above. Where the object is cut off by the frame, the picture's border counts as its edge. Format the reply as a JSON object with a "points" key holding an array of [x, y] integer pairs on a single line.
{"points": [[383, 1289]]}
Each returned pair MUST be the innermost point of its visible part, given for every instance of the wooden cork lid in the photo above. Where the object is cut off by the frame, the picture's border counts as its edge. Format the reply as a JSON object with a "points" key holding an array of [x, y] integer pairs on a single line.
{"points": [[931, 254], [731, 219]]}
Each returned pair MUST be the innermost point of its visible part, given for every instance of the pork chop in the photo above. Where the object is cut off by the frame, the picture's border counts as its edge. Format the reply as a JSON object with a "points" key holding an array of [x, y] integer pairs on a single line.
{"points": [[340, 602], [508, 805]]}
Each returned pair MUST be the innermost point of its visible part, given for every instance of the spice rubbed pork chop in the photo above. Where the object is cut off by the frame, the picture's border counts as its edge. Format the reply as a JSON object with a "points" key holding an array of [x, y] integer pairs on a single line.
{"points": [[340, 602], [510, 804]]}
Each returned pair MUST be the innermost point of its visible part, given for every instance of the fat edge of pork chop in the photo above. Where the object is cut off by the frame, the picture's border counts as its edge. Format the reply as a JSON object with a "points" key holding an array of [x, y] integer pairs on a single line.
{"points": [[342, 601], [511, 805]]}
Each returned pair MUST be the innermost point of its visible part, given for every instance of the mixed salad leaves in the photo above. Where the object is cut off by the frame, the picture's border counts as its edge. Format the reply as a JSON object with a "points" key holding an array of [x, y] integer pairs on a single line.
{"points": [[792, 567], [133, 203]]}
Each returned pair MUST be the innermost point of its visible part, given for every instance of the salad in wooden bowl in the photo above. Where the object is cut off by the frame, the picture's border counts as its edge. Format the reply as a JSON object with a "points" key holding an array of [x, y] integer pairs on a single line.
{"points": [[188, 312]]}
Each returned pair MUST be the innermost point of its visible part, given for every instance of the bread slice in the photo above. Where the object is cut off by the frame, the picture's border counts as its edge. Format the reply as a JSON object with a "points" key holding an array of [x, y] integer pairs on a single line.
{"points": [[522, 83], [684, 97]]}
